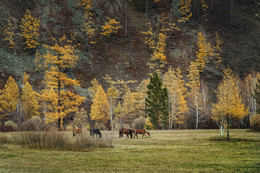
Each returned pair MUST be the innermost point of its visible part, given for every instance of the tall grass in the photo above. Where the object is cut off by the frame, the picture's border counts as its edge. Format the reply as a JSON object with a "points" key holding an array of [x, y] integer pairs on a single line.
{"points": [[57, 141]]}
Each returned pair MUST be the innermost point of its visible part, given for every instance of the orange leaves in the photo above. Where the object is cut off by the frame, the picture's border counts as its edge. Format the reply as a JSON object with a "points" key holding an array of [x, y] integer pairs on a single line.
{"points": [[30, 30]]}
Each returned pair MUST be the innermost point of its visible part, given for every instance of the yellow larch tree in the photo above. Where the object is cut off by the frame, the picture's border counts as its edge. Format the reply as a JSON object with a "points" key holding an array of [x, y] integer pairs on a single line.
{"points": [[173, 80], [29, 101], [30, 30], [58, 59], [217, 50], [87, 4], [141, 89], [110, 27], [93, 88], [185, 10], [204, 52], [100, 107], [9, 97], [112, 95], [194, 91], [204, 10], [229, 102], [9, 34]]}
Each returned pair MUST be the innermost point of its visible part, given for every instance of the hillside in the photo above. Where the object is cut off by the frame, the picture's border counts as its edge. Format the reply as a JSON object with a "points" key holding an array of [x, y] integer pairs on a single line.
{"points": [[124, 55]]}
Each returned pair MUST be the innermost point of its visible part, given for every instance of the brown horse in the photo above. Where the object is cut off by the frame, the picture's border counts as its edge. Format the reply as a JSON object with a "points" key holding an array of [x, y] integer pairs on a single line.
{"points": [[77, 132], [127, 132], [141, 131]]}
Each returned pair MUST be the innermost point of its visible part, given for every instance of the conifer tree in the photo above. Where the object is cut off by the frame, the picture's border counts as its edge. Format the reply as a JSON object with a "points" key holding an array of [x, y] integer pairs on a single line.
{"points": [[58, 59], [93, 89], [29, 101], [229, 104], [157, 102], [9, 97], [100, 107], [257, 95], [30, 30], [185, 10], [204, 52], [9, 34], [110, 27]]}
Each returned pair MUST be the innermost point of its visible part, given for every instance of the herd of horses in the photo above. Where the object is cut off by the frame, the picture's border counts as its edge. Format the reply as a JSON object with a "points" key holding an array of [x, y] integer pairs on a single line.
{"points": [[128, 132]]}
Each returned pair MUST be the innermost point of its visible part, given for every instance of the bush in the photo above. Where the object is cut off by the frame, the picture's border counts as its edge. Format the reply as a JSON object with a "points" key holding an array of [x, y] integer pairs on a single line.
{"points": [[6, 128], [58, 141], [255, 122], [117, 125], [33, 124], [139, 123], [11, 124], [100, 126]]}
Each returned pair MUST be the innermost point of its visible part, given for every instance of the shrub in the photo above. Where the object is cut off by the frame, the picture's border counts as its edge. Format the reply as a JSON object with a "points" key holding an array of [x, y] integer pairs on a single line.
{"points": [[118, 125], [255, 122], [139, 123], [33, 124], [6, 128], [100, 126], [59, 141], [11, 124]]}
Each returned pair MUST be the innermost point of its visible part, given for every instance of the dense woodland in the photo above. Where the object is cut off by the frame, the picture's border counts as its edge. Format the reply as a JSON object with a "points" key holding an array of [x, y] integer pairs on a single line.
{"points": [[154, 64]]}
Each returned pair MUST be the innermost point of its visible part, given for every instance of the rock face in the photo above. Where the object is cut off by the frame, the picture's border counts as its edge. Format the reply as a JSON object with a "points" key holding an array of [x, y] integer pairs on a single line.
{"points": [[125, 55]]}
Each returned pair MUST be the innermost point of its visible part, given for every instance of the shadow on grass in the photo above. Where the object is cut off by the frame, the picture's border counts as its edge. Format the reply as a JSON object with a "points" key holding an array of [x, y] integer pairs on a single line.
{"points": [[218, 138]]}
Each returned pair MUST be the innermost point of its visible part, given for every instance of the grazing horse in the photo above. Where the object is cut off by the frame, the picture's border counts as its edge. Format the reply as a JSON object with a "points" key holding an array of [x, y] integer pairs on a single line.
{"points": [[141, 131], [95, 131], [77, 132], [127, 132]]}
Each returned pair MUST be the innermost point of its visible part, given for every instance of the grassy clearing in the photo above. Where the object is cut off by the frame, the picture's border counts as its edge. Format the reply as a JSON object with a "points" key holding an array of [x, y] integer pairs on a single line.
{"points": [[164, 151]]}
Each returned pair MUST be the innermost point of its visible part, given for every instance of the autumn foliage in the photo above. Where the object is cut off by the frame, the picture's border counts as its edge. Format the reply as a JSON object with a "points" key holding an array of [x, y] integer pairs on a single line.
{"points": [[30, 30]]}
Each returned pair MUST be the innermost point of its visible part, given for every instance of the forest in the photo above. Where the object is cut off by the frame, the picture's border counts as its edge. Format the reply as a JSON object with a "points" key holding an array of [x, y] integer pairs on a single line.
{"points": [[153, 64]]}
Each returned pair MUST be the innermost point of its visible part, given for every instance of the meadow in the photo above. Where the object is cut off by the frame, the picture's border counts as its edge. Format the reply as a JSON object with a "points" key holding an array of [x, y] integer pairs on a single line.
{"points": [[163, 151]]}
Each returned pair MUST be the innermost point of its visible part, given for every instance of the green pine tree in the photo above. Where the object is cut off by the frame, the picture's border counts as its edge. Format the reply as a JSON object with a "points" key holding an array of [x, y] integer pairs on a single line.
{"points": [[257, 95], [157, 102]]}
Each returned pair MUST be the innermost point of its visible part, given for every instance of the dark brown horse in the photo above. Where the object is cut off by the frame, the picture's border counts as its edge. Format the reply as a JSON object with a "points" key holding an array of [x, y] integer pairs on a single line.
{"points": [[141, 131], [127, 132], [77, 132]]}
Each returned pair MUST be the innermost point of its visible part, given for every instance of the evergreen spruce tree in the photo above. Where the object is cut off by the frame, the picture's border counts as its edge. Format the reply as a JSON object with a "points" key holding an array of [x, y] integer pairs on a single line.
{"points": [[157, 102], [257, 95]]}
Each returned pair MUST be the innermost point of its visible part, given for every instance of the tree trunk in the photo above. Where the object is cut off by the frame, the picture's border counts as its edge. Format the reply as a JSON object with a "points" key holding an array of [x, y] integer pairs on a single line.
{"points": [[111, 113], [227, 129]]}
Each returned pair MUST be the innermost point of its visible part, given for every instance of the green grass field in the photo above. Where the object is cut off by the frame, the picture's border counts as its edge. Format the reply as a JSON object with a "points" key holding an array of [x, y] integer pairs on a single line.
{"points": [[164, 151]]}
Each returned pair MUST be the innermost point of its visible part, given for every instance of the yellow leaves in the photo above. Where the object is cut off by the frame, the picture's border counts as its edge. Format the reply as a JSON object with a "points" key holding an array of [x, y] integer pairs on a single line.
{"points": [[56, 62], [173, 80], [110, 27], [30, 101], [87, 4], [229, 103], [100, 107], [89, 28], [204, 52], [9, 34], [30, 30], [93, 89], [9, 96], [112, 92], [185, 10]]}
